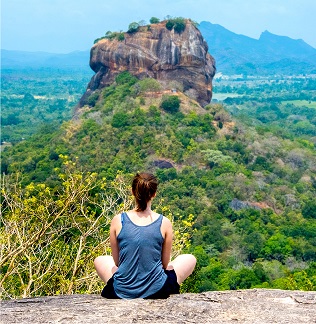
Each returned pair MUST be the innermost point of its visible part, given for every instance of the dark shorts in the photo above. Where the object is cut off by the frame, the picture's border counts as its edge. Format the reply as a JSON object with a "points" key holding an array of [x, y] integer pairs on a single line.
{"points": [[170, 287]]}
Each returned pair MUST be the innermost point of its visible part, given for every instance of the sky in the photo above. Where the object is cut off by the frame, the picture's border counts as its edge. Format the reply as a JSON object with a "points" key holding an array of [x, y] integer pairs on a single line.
{"points": [[63, 26]]}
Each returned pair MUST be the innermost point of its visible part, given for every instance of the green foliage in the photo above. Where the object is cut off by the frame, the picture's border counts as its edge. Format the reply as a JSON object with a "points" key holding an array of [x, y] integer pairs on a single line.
{"points": [[169, 24], [11, 119], [170, 103], [93, 98], [50, 236], [133, 27], [120, 37], [178, 24], [250, 185], [216, 158], [154, 20], [148, 85], [31, 99], [309, 209], [277, 247], [120, 120], [50, 239], [98, 39], [142, 23], [125, 78]]}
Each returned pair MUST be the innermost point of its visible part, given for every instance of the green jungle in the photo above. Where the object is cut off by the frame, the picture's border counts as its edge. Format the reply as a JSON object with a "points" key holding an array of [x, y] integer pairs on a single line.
{"points": [[237, 178]]}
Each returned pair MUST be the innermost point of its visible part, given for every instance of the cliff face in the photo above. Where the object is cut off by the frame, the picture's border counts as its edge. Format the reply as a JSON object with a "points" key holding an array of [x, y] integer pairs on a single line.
{"points": [[158, 53]]}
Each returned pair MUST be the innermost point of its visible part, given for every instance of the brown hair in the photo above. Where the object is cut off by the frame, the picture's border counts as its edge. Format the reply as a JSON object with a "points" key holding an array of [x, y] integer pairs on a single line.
{"points": [[144, 187]]}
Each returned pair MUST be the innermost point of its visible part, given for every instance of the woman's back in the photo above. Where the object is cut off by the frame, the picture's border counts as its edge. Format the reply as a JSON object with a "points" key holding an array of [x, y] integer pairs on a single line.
{"points": [[141, 242], [140, 272]]}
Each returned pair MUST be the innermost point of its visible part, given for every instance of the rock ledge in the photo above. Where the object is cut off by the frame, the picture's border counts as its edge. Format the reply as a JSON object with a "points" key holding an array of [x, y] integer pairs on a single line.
{"points": [[241, 306]]}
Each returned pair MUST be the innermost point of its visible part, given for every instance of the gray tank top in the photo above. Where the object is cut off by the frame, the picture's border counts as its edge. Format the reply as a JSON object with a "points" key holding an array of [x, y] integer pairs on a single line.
{"points": [[140, 273]]}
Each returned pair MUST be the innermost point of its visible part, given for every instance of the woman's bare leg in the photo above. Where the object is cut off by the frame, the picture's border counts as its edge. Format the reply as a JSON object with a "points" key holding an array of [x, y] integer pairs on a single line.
{"points": [[105, 267], [183, 265]]}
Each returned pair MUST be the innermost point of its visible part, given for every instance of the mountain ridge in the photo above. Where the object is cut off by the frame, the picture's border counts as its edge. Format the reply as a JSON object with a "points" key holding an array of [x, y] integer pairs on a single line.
{"points": [[234, 54], [240, 54]]}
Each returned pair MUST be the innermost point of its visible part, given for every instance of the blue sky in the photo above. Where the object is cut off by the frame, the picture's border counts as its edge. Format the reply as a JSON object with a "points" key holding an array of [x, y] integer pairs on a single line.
{"points": [[62, 26]]}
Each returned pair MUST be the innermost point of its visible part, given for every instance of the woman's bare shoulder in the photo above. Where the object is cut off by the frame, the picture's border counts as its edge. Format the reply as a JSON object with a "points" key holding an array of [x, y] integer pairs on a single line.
{"points": [[166, 221], [116, 219]]}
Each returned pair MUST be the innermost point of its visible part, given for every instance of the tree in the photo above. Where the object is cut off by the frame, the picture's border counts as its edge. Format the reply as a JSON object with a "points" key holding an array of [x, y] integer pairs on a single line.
{"points": [[120, 119], [277, 247], [179, 25], [49, 238], [170, 103], [125, 78], [133, 27], [216, 158], [169, 24], [93, 98], [154, 20], [142, 23], [120, 37], [12, 119], [149, 85], [309, 209]]}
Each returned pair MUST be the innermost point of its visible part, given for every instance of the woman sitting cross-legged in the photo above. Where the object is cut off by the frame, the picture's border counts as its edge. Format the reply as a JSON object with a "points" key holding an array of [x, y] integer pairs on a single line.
{"points": [[141, 243]]}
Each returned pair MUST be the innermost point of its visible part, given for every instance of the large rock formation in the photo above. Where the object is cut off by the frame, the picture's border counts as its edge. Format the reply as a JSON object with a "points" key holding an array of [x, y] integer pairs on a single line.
{"points": [[154, 51], [257, 306]]}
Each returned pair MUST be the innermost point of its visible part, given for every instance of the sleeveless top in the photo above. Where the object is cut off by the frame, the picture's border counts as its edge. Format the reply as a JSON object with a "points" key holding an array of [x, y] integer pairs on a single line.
{"points": [[140, 272]]}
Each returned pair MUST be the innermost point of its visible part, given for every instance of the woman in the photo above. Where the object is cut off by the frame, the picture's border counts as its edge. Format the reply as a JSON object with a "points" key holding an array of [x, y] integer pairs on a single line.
{"points": [[141, 243]]}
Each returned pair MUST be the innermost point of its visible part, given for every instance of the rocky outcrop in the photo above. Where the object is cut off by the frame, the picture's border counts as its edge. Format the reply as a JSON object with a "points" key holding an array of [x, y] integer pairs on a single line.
{"points": [[156, 52], [163, 164], [245, 306], [237, 204]]}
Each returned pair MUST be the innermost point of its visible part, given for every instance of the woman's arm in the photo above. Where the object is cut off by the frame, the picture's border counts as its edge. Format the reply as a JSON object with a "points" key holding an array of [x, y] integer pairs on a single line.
{"points": [[167, 244], [114, 231]]}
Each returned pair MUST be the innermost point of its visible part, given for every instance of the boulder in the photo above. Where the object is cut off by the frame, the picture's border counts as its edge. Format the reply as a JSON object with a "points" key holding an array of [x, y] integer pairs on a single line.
{"points": [[156, 52]]}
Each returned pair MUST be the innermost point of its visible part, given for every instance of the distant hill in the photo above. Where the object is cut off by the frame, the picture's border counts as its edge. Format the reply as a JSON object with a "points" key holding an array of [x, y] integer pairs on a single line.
{"points": [[270, 54], [21, 59]]}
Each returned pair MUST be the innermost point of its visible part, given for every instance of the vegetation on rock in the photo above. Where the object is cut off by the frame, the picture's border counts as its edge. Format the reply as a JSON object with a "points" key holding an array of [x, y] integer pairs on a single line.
{"points": [[170, 103], [178, 24], [244, 192]]}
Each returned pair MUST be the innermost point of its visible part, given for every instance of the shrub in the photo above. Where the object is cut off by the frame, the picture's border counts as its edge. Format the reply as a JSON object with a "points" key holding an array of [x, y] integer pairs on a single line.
{"points": [[110, 35], [169, 24], [93, 98], [49, 238], [120, 119], [178, 24], [98, 39], [154, 20], [142, 101], [133, 27], [142, 23], [120, 37], [309, 209], [170, 103], [149, 84], [126, 78]]}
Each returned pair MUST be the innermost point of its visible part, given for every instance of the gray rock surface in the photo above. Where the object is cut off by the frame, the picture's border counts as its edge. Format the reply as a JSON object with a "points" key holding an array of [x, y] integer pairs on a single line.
{"points": [[243, 306], [158, 53]]}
